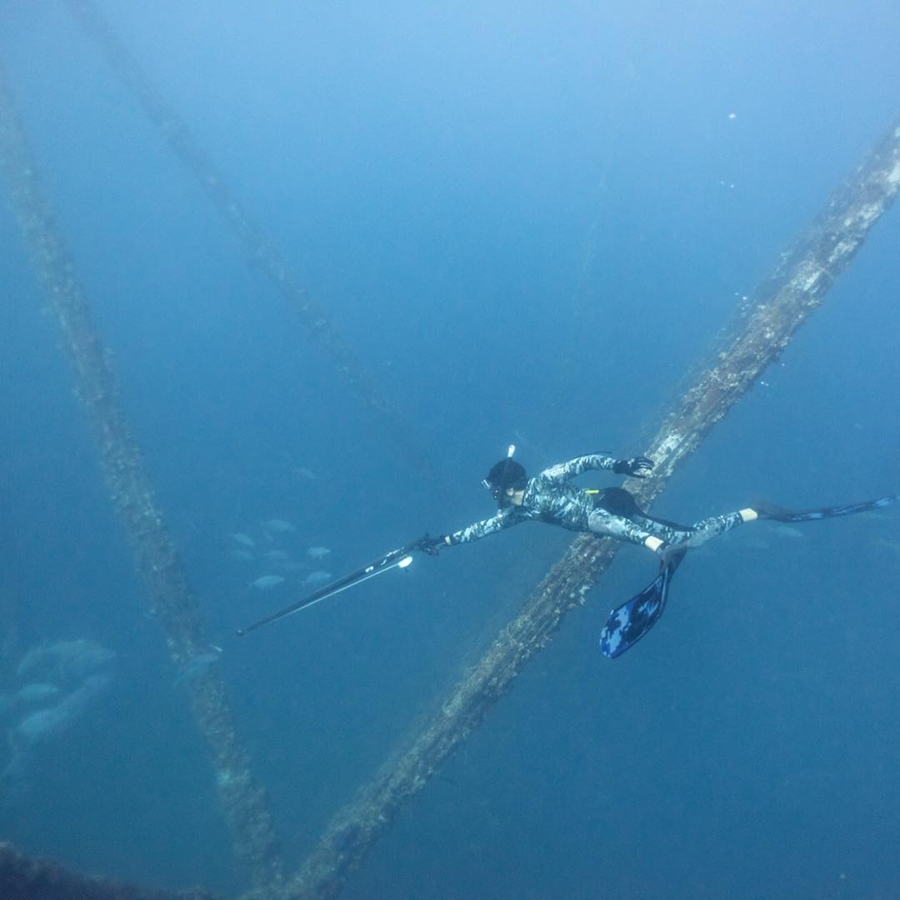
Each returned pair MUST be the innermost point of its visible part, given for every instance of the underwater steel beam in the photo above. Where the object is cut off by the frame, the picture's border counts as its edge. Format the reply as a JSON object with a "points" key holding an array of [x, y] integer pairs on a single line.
{"points": [[261, 252], [763, 328], [24, 878], [172, 601]]}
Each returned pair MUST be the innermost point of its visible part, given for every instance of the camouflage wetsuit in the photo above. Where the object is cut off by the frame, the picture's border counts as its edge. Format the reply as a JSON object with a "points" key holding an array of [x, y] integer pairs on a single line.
{"points": [[551, 497]]}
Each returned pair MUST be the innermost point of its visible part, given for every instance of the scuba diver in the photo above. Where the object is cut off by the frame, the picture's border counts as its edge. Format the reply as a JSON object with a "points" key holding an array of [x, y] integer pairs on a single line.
{"points": [[551, 497]]}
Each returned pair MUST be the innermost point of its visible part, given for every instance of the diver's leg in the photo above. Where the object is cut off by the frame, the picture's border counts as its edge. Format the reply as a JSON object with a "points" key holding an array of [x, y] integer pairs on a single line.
{"points": [[655, 534], [712, 527], [675, 535], [637, 530]]}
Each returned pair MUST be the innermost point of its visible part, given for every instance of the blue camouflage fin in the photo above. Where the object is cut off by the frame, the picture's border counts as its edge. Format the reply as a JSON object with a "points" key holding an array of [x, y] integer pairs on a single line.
{"points": [[628, 623]]}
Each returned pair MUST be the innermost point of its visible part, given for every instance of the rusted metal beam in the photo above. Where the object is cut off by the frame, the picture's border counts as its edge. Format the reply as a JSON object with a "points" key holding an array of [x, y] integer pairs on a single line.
{"points": [[762, 329], [24, 878], [260, 250], [172, 601]]}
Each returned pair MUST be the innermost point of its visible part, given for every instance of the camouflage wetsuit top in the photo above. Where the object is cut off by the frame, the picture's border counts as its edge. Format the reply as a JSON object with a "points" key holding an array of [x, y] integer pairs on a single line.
{"points": [[549, 497]]}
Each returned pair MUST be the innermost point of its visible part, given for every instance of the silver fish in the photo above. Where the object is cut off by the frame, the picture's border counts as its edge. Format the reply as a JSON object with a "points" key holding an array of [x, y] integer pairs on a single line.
{"points": [[36, 693], [278, 525], [64, 661], [264, 582], [317, 577], [38, 726], [46, 723], [318, 552]]}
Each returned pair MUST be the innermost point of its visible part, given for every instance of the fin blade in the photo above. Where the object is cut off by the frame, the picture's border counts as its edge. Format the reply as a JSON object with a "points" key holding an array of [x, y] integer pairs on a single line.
{"points": [[628, 623]]}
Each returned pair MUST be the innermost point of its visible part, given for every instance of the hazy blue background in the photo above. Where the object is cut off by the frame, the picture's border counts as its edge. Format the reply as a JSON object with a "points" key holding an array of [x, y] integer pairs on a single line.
{"points": [[528, 221]]}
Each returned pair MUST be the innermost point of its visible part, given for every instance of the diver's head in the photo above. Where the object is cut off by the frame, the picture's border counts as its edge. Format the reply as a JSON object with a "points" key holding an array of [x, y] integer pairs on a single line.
{"points": [[505, 480]]}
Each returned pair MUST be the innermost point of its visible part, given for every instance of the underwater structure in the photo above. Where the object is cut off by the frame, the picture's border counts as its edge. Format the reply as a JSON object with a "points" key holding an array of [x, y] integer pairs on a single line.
{"points": [[261, 251], [22, 878], [172, 601], [762, 328]]}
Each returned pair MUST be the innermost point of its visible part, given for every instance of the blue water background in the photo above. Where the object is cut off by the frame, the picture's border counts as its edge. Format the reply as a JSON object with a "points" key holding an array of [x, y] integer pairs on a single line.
{"points": [[528, 221]]}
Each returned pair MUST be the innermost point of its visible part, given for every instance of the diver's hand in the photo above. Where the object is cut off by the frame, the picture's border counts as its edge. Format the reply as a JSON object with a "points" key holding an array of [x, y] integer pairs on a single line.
{"points": [[432, 545], [636, 466]]}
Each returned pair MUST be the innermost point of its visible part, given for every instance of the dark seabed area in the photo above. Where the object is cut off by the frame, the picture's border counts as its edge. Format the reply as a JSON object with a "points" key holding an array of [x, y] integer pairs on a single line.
{"points": [[528, 223]]}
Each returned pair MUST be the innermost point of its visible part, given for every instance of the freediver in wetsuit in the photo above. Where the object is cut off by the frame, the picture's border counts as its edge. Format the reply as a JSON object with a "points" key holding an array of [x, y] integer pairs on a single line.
{"points": [[551, 497], [613, 512]]}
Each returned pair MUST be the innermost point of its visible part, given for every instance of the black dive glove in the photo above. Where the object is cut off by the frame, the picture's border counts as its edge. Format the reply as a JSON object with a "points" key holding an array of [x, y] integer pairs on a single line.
{"points": [[636, 466], [431, 545]]}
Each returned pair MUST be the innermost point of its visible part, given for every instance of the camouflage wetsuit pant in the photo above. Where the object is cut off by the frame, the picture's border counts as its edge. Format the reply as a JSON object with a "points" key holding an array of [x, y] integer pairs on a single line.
{"points": [[616, 514]]}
